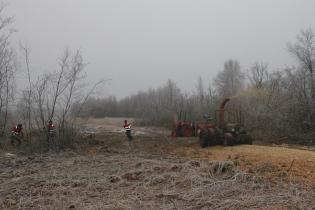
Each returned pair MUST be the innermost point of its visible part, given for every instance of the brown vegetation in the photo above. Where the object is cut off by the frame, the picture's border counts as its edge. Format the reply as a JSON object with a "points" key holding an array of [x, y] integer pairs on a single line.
{"points": [[156, 172]]}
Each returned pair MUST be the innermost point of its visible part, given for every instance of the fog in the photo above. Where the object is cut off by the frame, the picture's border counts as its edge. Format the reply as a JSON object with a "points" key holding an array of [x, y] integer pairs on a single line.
{"points": [[139, 44]]}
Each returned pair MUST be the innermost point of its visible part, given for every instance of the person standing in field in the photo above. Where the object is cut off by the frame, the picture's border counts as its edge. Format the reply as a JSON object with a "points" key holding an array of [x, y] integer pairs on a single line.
{"points": [[127, 127], [51, 129], [17, 134]]}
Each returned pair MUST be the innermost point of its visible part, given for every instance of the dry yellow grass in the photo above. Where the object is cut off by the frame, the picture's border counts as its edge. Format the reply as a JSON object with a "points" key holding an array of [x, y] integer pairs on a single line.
{"points": [[140, 176], [290, 164]]}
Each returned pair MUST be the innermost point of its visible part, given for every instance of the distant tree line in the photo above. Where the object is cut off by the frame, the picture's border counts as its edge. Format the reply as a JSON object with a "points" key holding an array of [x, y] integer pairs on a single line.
{"points": [[274, 102]]}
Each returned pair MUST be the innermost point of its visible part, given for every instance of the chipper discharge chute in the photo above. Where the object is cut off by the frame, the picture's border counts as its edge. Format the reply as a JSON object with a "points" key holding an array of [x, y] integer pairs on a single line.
{"points": [[227, 129]]}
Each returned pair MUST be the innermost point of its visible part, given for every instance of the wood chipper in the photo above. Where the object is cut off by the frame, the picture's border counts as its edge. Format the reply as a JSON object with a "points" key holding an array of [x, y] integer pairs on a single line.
{"points": [[226, 129]]}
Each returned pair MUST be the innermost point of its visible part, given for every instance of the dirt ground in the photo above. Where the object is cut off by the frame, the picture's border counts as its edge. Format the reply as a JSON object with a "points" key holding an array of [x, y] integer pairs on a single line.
{"points": [[156, 172]]}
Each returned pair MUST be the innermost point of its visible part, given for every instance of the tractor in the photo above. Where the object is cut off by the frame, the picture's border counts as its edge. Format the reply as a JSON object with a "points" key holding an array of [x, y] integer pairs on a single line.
{"points": [[183, 128], [226, 129]]}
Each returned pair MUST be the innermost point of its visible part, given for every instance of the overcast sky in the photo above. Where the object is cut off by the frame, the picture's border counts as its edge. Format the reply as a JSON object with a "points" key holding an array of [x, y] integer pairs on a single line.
{"points": [[141, 43]]}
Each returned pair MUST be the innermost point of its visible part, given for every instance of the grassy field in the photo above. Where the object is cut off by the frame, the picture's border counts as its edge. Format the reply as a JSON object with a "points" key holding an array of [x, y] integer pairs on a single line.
{"points": [[157, 172]]}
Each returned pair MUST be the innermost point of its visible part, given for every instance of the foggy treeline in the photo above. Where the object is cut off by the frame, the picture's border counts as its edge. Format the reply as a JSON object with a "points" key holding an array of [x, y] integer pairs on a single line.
{"points": [[273, 102]]}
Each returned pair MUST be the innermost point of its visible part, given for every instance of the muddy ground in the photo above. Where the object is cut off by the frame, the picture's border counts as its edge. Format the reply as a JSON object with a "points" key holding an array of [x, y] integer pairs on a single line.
{"points": [[157, 172]]}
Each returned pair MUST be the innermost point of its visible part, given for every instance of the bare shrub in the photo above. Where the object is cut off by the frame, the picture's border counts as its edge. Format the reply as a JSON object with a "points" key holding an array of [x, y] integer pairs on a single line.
{"points": [[7, 70], [51, 97]]}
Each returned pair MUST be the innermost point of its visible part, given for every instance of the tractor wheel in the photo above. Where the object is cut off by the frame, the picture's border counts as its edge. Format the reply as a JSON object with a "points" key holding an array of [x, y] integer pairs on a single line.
{"points": [[203, 140], [228, 139], [212, 139], [246, 139]]}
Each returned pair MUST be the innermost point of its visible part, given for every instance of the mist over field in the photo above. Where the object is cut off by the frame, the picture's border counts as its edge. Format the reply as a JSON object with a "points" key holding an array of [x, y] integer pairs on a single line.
{"points": [[140, 44], [169, 104]]}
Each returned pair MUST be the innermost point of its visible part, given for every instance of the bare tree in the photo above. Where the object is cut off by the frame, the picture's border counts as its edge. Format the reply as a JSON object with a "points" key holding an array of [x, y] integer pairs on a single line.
{"points": [[26, 53], [230, 80], [40, 97], [61, 83], [71, 91], [304, 51], [258, 75], [7, 67]]}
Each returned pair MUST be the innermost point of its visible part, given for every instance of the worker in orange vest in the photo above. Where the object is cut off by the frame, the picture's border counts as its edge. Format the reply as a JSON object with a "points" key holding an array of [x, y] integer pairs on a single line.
{"points": [[17, 134], [127, 127]]}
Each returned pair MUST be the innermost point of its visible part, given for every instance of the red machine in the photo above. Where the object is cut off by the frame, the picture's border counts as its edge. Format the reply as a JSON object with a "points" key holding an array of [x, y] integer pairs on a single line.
{"points": [[183, 128], [225, 129]]}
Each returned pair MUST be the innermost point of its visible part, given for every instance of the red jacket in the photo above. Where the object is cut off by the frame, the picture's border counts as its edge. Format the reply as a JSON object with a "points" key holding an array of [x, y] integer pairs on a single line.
{"points": [[17, 130], [127, 126], [51, 126]]}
